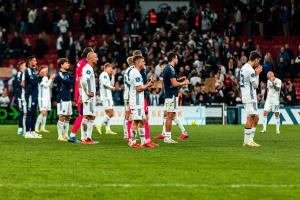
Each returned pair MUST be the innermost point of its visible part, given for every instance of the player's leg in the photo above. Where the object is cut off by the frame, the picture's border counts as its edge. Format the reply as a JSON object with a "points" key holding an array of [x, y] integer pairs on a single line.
{"points": [[162, 135], [69, 112], [76, 124], [84, 128], [255, 119], [142, 131], [247, 130], [125, 121], [90, 123], [251, 112], [39, 118], [110, 114], [60, 122], [20, 119], [33, 118], [277, 116], [45, 114], [146, 122], [136, 118], [184, 133], [28, 118], [170, 108], [267, 109]]}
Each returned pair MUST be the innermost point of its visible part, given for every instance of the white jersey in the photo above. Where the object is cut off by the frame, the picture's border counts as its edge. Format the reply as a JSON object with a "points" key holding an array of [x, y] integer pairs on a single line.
{"points": [[45, 88], [88, 84], [127, 83], [105, 86], [248, 83], [136, 99], [273, 95]]}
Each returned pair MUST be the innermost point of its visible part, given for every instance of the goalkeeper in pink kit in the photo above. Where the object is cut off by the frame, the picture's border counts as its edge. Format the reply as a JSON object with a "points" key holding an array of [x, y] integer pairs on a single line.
{"points": [[80, 65]]}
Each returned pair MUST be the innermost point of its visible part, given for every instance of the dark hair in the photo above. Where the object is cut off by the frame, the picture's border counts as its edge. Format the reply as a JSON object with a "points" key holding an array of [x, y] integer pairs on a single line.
{"points": [[171, 56], [85, 51], [29, 59], [135, 58], [20, 63], [61, 61], [163, 63], [254, 55]]}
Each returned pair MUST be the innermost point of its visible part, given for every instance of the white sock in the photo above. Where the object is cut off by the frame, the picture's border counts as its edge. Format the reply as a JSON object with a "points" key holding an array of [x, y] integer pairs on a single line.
{"points": [[265, 121], [24, 122], [43, 124], [125, 127], [105, 120], [72, 134], [277, 124], [179, 124], [142, 135], [84, 125], [253, 130], [164, 126], [107, 128], [66, 128], [60, 128], [90, 125], [132, 136], [38, 121], [247, 132], [168, 135]]}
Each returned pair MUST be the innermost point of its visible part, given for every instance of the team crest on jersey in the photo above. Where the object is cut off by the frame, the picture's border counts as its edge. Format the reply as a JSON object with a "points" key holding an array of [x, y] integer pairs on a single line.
{"points": [[88, 72], [138, 79], [252, 75]]}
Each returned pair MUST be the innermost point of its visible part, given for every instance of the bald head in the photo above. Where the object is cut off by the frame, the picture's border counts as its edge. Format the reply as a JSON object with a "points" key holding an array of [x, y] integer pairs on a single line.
{"points": [[92, 58]]}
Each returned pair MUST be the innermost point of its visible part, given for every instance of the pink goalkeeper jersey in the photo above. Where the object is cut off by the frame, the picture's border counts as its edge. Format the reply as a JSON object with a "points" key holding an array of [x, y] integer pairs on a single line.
{"points": [[79, 68]]}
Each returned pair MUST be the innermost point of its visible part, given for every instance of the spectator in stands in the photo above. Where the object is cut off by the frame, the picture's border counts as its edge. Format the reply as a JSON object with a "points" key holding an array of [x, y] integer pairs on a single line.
{"points": [[16, 45], [237, 20], [260, 19], [60, 46], [268, 65], [4, 99], [154, 97], [63, 25], [54, 20], [112, 20], [27, 48], [282, 61], [41, 47], [32, 15], [285, 19]]}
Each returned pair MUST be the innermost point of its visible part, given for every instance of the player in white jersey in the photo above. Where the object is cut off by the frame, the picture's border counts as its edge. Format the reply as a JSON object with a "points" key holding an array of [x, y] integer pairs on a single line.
{"points": [[272, 102], [88, 98], [249, 80], [44, 100], [136, 101], [126, 97], [106, 88]]}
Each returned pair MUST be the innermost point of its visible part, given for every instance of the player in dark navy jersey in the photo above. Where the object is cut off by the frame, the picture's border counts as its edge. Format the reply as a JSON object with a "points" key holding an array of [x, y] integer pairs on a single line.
{"points": [[65, 82], [19, 96], [171, 86], [32, 80]]}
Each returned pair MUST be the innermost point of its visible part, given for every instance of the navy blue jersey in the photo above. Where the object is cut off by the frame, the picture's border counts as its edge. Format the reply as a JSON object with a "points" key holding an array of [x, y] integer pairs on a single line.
{"points": [[17, 86], [65, 84], [32, 80], [144, 76], [168, 74]]}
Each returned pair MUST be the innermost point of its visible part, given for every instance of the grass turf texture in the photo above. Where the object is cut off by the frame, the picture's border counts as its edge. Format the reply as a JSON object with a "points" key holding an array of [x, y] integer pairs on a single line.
{"points": [[211, 164]]}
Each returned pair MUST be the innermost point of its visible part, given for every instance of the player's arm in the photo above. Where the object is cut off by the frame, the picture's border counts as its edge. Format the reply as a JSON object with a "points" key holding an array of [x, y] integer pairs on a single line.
{"points": [[86, 84], [108, 84], [139, 86], [174, 82], [254, 77], [276, 85]]}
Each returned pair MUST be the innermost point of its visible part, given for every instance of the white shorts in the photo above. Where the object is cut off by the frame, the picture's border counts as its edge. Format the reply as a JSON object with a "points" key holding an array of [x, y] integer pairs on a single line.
{"points": [[251, 108], [126, 105], [64, 108], [108, 104], [138, 114], [89, 108], [171, 105], [44, 104], [271, 107]]}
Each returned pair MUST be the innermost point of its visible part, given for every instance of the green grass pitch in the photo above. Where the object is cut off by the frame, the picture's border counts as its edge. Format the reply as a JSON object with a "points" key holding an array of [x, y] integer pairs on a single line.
{"points": [[211, 164]]}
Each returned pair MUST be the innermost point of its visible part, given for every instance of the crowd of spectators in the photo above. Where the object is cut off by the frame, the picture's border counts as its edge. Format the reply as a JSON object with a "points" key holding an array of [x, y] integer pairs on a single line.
{"points": [[206, 42]]}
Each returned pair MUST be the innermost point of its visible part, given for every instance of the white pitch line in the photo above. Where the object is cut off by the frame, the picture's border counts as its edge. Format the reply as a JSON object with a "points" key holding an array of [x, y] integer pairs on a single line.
{"points": [[157, 185]]}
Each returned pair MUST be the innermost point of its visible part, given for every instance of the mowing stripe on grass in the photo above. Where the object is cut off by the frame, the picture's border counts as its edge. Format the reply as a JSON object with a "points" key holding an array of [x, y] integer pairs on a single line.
{"points": [[155, 185]]}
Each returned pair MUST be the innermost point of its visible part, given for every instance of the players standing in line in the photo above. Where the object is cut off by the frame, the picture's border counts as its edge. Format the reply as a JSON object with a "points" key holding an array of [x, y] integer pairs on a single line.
{"points": [[171, 86], [149, 142], [127, 121], [249, 80], [106, 86], [272, 102], [136, 102], [44, 100], [31, 97], [79, 67], [65, 83], [88, 95], [19, 96]]}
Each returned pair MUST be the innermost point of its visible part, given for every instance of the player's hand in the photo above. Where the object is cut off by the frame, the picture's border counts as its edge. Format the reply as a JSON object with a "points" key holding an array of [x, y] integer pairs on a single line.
{"points": [[113, 88], [185, 82], [52, 77], [23, 84], [91, 94], [113, 73], [258, 70]]}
